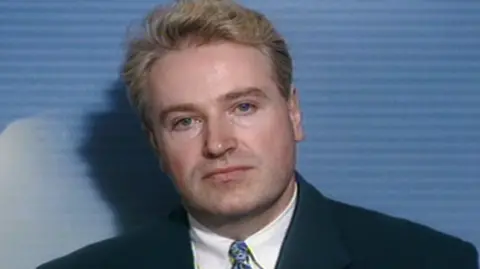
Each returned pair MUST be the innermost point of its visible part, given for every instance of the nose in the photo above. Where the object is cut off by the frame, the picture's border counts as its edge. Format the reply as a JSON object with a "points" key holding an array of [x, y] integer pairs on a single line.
{"points": [[219, 138]]}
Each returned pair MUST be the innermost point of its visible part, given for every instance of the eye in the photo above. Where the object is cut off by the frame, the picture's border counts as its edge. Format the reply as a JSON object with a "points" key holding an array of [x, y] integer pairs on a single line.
{"points": [[245, 108], [183, 123]]}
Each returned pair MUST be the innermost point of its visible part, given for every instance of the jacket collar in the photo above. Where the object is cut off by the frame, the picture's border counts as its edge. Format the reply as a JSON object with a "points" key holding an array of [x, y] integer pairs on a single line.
{"points": [[313, 240]]}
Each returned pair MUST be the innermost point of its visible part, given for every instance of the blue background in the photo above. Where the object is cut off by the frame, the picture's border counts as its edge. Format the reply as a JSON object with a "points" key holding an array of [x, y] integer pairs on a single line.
{"points": [[389, 91]]}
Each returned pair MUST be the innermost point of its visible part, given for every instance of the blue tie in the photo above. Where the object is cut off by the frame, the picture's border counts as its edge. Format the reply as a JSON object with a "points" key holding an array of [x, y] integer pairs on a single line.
{"points": [[239, 255]]}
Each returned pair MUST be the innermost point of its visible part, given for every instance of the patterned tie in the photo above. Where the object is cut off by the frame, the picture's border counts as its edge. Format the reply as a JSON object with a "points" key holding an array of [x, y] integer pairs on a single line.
{"points": [[239, 255]]}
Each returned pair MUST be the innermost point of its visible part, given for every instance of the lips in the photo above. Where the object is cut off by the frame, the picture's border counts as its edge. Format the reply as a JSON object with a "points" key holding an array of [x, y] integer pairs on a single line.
{"points": [[226, 171]]}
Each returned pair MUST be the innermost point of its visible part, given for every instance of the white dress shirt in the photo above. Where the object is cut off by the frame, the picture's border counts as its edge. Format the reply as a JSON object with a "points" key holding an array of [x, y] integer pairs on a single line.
{"points": [[211, 250]]}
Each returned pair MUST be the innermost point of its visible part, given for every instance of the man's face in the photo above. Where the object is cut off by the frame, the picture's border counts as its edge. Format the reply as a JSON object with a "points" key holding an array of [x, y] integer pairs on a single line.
{"points": [[224, 132]]}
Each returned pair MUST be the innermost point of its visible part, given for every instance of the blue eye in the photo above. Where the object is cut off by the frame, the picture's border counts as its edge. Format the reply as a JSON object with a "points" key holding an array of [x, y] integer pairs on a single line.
{"points": [[245, 107]]}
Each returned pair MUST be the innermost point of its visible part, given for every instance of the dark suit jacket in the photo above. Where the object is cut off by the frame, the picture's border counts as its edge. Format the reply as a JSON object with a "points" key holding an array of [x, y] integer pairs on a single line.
{"points": [[324, 234]]}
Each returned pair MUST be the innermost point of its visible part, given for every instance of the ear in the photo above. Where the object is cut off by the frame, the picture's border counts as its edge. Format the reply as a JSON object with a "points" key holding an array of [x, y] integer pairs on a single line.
{"points": [[156, 148], [152, 140], [295, 114], [151, 137]]}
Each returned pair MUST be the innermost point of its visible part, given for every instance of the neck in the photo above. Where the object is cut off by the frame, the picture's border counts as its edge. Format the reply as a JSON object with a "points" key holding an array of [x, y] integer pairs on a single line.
{"points": [[241, 227]]}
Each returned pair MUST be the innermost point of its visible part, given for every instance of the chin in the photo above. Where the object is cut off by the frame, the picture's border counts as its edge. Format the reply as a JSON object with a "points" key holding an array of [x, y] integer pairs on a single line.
{"points": [[236, 210]]}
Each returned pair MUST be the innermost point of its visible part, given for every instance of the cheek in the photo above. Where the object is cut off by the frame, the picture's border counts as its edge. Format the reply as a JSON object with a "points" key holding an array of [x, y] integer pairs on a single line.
{"points": [[179, 159], [178, 166], [268, 137]]}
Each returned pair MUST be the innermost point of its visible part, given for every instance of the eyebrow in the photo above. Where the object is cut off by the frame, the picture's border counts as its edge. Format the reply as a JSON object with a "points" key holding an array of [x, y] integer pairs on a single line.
{"points": [[228, 97], [243, 92], [187, 107]]}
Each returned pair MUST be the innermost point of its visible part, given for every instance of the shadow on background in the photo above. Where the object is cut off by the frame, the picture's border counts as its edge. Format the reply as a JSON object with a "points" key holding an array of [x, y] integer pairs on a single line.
{"points": [[124, 166]]}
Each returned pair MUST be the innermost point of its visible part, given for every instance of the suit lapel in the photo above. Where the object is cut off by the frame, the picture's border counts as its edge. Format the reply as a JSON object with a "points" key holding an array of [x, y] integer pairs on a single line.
{"points": [[180, 253], [312, 240], [167, 245]]}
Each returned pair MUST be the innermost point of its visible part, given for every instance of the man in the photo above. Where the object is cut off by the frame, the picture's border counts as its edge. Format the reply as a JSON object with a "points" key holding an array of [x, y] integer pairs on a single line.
{"points": [[212, 82]]}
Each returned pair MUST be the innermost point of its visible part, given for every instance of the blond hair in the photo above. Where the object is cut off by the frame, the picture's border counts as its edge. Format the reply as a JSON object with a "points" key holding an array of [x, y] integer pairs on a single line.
{"points": [[194, 23]]}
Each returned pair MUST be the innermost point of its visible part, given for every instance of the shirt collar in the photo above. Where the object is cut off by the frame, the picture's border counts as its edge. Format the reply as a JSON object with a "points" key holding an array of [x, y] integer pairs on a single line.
{"points": [[263, 244]]}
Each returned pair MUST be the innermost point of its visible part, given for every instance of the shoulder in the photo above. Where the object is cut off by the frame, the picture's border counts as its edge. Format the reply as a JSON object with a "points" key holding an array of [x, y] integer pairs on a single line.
{"points": [[368, 233], [90, 256], [113, 252]]}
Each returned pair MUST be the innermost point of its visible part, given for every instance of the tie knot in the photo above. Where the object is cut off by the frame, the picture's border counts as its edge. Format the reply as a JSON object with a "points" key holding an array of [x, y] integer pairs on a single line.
{"points": [[239, 252]]}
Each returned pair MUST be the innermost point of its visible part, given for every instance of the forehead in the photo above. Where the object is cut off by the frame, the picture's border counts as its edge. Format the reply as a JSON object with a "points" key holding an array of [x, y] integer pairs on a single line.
{"points": [[204, 73]]}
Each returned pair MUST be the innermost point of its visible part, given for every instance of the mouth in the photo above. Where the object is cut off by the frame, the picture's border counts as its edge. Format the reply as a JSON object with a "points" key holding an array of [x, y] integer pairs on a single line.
{"points": [[226, 173]]}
